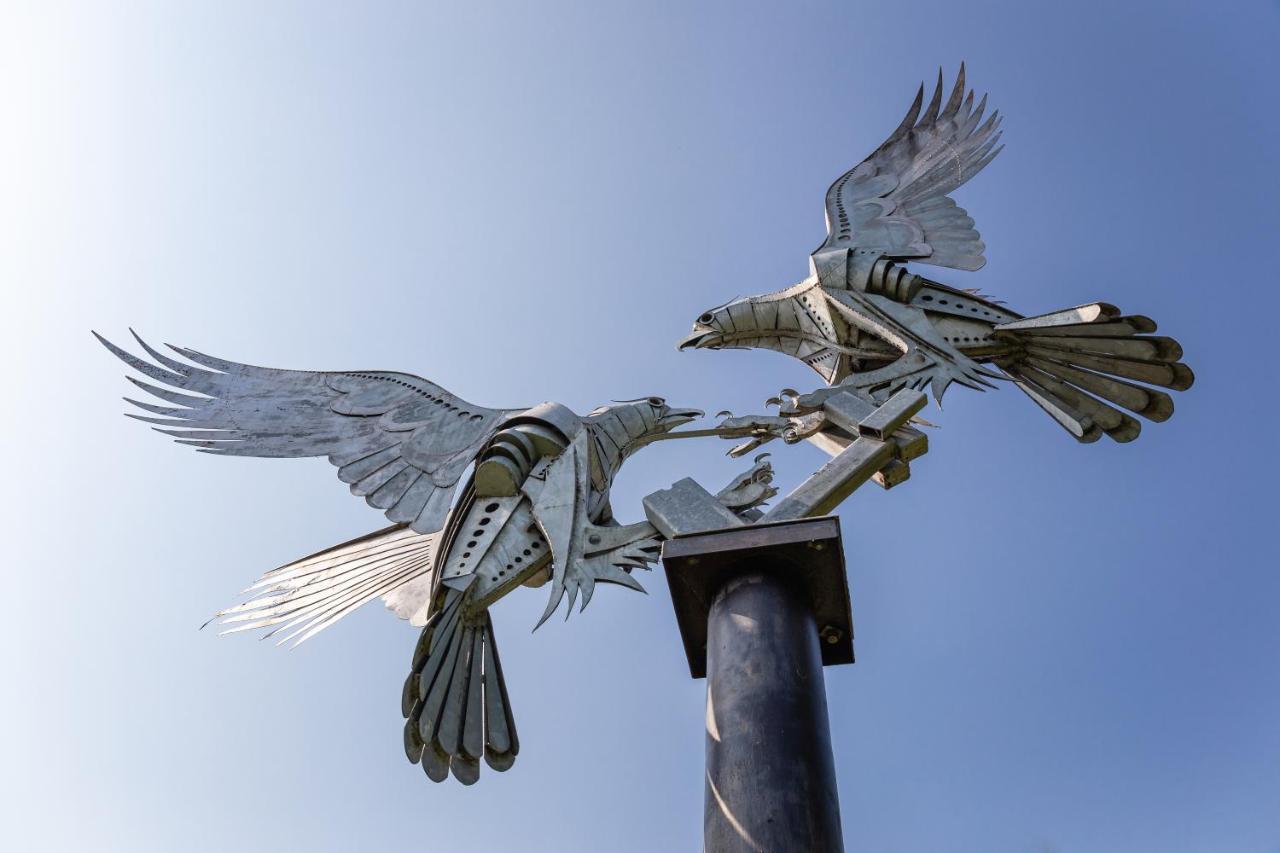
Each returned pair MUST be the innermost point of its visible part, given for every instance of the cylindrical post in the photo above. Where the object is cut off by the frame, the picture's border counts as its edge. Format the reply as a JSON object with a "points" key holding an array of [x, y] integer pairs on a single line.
{"points": [[771, 781]]}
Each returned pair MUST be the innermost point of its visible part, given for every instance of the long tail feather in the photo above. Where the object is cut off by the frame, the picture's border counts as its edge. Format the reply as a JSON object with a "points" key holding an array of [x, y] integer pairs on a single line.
{"points": [[1080, 425], [1080, 363], [455, 700], [1117, 425], [1153, 405], [304, 597]]}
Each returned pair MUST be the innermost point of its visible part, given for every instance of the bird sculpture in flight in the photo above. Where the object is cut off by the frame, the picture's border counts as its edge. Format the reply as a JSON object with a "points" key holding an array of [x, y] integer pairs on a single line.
{"points": [[533, 507], [534, 510], [867, 324]]}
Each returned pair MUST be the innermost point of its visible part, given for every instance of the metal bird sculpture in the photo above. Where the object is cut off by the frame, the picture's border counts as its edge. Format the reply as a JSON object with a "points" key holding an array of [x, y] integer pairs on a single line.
{"points": [[867, 324], [534, 510]]}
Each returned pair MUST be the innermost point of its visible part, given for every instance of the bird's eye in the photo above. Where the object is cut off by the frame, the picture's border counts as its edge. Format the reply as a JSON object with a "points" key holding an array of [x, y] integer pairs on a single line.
{"points": [[706, 319], [657, 401]]}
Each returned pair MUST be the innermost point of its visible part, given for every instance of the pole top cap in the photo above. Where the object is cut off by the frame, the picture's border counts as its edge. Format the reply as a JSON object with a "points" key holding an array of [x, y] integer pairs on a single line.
{"points": [[809, 552]]}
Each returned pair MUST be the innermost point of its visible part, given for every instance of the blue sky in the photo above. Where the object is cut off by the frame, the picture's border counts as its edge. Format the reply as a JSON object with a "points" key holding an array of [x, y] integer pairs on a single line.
{"points": [[1060, 647]]}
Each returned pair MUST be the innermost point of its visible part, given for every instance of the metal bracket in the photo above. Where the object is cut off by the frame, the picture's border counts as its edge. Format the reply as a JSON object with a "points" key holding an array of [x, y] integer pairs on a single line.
{"points": [[806, 552], [867, 442], [687, 508], [880, 446]]}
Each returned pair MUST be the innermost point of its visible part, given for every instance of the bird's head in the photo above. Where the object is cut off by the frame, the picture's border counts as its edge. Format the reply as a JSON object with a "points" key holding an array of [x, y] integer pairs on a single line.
{"points": [[797, 321], [712, 330], [631, 424], [777, 320], [644, 417]]}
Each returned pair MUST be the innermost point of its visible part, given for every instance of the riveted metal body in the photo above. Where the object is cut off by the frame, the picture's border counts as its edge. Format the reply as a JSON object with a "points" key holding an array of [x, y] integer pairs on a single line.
{"points": [[868, 325]]}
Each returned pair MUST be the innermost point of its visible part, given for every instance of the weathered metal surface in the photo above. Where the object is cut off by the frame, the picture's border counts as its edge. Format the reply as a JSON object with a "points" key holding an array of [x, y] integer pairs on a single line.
{"points": [[909, 444], [894, 473], [834, 481], [865, 323], [886, 419], [912, 443], [847, 411], [687, 508]]}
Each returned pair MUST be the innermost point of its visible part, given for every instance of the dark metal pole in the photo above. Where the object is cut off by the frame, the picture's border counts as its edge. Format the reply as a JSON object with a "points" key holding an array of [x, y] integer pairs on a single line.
{"points": [[761, 610], [771, 781]]}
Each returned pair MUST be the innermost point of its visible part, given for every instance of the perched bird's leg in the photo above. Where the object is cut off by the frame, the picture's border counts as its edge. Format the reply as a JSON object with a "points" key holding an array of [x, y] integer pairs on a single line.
{"points": [[746, 493]]}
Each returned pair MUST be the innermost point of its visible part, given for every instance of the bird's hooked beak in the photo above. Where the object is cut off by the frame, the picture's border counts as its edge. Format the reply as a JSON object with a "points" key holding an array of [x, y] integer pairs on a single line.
{"points": [[679, 417], [699, 339], [708, 329]]}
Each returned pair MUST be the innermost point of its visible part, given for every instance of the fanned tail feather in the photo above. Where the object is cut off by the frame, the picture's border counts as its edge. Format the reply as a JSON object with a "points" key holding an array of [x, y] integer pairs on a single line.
{"points": [[1082, 366], [306, 596], [455, 700]]}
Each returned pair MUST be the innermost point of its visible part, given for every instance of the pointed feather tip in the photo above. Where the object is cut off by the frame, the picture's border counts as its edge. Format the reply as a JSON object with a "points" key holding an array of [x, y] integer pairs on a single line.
{"points": [[138, 338], [546, 614], [176, 366], [161, 421], [957, 95], [931, 112], [908, 121], [112, 348]]}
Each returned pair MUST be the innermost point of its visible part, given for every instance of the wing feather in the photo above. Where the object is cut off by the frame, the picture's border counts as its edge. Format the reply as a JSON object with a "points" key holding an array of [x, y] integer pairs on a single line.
{"points": [[896, 200], [398, 440]]}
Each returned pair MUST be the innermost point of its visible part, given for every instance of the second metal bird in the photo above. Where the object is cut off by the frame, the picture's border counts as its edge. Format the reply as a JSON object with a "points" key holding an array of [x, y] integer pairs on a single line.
{"points": [[865, 323]]}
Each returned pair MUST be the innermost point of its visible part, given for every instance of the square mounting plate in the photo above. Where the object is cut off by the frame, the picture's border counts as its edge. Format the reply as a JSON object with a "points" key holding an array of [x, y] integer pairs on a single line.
{"points": [[809, 551]]}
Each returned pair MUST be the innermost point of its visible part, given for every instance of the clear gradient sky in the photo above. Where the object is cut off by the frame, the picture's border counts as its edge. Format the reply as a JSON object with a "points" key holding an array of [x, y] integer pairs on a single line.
{"points": [[1061, 647]]}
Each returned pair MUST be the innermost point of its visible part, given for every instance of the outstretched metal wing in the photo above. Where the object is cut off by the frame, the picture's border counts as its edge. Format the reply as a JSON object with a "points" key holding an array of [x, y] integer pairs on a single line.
{"points": [[896, 201], [401, 442]]}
